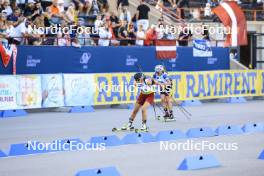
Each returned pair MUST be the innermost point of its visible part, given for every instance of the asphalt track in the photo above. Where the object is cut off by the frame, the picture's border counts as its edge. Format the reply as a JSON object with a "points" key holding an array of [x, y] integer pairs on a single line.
{"points": [[132, 160]]}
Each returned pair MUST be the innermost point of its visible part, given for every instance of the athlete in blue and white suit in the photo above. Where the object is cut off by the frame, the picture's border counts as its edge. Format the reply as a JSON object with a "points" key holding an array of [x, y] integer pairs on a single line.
{"points": [[162, 77]]}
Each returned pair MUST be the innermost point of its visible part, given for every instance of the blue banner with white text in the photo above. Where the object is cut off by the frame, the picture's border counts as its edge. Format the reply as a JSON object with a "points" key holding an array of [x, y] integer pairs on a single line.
{"points": [[96, 59]]}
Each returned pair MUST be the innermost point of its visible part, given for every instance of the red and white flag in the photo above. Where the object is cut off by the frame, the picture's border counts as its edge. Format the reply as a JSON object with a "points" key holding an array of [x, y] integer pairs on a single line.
{"points": [[166, 49], [233, 18], [6, 53]]}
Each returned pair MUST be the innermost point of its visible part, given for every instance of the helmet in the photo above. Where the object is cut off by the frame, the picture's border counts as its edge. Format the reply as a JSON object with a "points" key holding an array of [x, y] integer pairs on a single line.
{"points": [[138, 76], [159, 68]]}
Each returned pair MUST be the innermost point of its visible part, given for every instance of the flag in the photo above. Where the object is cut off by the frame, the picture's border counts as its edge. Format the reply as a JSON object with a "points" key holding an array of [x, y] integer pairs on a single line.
{"points": [[166, 49], [233, 18], [6, 53]]}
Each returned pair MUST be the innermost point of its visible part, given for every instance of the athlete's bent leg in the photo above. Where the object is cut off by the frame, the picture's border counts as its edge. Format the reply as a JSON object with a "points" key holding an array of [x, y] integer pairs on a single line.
{"points": [[135, 111]]}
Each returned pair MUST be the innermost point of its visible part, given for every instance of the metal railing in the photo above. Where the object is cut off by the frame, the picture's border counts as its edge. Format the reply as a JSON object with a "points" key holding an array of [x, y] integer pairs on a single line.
{"points": [[48, 41]]}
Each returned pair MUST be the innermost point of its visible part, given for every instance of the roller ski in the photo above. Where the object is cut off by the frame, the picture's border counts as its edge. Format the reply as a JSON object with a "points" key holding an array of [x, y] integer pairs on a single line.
{"points": [[144, 128], [168, 117], [126, 127]]}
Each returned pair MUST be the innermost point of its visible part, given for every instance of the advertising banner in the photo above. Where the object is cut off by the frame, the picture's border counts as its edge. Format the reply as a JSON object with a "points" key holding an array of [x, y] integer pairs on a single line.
{"points": [[8, 90], [52, 90], [79, 89], [29, 91]]}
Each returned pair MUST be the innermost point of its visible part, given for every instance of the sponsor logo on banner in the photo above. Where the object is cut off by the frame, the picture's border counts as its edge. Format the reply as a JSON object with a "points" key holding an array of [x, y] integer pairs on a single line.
{"points": [[130, 60], [202, 48], [85, 59], [29, 91], [32, 62], [8, 90], [52, 90], [79, 89]]}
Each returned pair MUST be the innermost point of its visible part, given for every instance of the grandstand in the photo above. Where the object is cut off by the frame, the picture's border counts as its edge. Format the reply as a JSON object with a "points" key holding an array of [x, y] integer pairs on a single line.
{"points": [[131, 87]]}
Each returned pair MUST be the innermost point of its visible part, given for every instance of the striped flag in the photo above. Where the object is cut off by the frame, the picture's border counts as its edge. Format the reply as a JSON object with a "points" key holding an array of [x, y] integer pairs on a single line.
{"points": [[166, 49], [6, 53], [233, 18]]}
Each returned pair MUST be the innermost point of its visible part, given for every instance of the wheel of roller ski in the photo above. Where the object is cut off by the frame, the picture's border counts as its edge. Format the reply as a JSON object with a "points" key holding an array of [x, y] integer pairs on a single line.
{"points": [[114, 129]]}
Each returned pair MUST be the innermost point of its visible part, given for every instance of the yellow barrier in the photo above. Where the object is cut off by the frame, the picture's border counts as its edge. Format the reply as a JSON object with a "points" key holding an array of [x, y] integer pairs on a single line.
{"points": [[118, 88]]}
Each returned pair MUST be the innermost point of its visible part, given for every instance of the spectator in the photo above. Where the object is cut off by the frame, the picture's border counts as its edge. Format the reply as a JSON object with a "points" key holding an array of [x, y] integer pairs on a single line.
{"points": [[151, 36], [131, 33], [125, 15], [29, 9], [184, 37], [33, 10], [98, 22], [6, 7], [205, 34], [45, 4], [63, 40], [55, 12], [140, 36], [122, 3], [180, 5], [104, 6], [123, 33], [18, 32], [35, 35], [4, 28], [13, 18], [84, 9], [196, 14], [207, 10], [171, 34], [115, 23], [71, 13], [160, 29], [104, 34], [142, 15], [84, 39], [95, 8]]}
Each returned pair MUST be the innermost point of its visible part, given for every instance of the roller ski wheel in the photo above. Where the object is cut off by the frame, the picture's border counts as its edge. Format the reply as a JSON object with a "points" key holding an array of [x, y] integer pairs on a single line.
{"points": [[169, 119], [122, 129], [141, 130]]}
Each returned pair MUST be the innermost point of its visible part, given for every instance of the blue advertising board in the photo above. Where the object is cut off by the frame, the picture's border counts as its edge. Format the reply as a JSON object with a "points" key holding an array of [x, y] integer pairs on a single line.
{"points": [[95, 59]]}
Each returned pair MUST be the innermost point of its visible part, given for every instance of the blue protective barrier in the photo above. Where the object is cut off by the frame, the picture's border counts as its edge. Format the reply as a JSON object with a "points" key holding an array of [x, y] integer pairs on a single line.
{"points": [[170, 135], [89, 59], [199, 162], [80, 109], [107, 171], [27, 149], [261, 155], [107, 141], [191, 103], [136, 138], [2, 154], [13, 113], [229, 130], [236, 100], [200, 132], [253, 127]]}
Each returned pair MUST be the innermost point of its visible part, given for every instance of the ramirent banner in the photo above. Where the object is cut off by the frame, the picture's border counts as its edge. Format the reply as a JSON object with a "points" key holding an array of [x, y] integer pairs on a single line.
{"points": [[118, 88]]}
